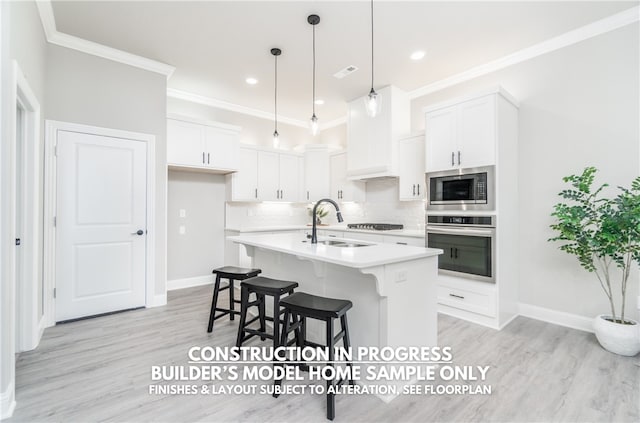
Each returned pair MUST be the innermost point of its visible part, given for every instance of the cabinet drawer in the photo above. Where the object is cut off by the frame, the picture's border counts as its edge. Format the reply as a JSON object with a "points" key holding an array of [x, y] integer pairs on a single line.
{"points": [[475, 302]]}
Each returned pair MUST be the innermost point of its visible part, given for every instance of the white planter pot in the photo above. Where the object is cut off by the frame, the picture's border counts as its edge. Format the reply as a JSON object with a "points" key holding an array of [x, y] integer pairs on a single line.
{"points": [[617, 338]]}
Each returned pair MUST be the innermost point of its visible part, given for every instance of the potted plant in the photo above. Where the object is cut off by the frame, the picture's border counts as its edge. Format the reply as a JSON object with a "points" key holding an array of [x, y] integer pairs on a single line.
{"points": [[604, 234], [321, 212]]}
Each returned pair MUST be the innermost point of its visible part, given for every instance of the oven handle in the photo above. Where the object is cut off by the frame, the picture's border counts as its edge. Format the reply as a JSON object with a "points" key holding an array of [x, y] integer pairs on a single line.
{"points": [[461, 231]]}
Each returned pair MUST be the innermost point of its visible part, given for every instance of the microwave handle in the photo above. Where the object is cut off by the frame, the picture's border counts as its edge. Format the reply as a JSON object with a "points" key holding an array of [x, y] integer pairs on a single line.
{"points": [[460, 231]]}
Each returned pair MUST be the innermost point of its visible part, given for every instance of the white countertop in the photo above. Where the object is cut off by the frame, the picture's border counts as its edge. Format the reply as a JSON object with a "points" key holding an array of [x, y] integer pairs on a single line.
{"points": [[411, 233], [375, 254]]}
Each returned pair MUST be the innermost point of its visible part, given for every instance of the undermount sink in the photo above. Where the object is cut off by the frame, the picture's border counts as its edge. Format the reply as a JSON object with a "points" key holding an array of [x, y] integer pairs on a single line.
{"points": [[341, 244]]}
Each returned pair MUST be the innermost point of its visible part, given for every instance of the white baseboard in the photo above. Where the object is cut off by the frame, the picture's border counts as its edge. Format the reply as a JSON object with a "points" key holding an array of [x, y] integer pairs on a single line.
{"points": [[158, 300], [561, 318], [189, 282], [7, 402]]}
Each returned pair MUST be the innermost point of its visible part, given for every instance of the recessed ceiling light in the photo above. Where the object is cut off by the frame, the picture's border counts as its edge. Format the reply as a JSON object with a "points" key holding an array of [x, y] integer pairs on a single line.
{"points": [[251, 81], [319, 102], [417, 55]]}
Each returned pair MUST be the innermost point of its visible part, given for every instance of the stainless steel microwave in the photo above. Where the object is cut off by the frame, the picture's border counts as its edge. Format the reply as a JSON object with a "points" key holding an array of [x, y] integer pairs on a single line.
{"points": [[461, 189]]}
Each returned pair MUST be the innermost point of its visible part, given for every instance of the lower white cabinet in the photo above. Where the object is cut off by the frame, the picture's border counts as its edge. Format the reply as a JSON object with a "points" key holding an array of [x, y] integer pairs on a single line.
{"points": [[404, 240]]}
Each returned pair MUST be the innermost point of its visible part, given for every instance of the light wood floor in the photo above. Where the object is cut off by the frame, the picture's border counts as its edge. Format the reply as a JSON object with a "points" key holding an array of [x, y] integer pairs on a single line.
{"points": [[99, 370]]}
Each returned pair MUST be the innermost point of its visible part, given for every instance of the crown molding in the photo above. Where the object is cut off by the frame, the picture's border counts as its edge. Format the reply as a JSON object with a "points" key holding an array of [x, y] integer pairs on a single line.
{"points": [[69, 41], [333, 123], [220, 104], [585, 32]]}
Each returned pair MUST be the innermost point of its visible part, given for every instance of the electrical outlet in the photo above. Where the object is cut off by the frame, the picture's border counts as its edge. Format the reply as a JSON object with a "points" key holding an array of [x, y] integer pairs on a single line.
{"points": [[401, 276], [182, 230], [183, 213]]}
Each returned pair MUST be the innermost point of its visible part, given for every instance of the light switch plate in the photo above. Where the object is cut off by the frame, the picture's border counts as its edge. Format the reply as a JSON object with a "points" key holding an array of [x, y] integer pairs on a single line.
{"points": [[182, 230], [183, 213]]}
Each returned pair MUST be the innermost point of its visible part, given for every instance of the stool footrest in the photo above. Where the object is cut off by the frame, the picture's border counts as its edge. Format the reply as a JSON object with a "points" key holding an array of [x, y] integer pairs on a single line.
{"points": [[257, 332]]}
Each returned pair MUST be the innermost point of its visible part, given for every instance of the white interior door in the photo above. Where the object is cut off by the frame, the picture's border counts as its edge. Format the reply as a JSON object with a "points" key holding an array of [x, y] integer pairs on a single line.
{"points": [[101, 224]]}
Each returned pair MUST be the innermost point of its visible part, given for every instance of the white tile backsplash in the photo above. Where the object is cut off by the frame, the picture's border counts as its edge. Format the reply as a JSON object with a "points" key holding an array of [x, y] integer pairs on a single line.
{"points": [[382, 206]]}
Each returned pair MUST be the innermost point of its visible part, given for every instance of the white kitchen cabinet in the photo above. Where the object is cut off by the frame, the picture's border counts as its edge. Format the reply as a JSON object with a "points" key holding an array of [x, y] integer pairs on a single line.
{"points": [[342, 188], [411, 179], [317, 181], [372, 142], [289, 181], [244, 183], [404, 240], [266, 175], [461, 135], [208, 147]]}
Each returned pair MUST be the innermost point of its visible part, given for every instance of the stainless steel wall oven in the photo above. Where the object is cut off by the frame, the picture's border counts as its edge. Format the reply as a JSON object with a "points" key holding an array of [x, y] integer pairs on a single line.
{"points": [[468, 243]]}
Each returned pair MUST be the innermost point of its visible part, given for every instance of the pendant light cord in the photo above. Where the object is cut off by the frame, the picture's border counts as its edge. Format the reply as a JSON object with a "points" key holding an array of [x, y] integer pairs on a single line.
{"points": [[275, 96], [313, 105], [371, 44]]}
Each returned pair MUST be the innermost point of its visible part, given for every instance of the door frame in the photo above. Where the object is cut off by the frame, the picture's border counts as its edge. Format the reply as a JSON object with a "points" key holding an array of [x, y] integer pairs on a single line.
{"points": [[28, 324], [52, 127]]}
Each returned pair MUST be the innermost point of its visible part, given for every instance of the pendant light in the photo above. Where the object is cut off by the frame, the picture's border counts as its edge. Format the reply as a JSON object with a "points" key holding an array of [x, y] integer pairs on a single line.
{"points": [[313, 123], [276, 142], [372, 101]]}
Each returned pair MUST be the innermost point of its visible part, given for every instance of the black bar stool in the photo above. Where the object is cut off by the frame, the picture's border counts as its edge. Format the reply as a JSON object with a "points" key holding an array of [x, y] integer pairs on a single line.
{"points": [[297, 308], [262, 286], [231, 273]]}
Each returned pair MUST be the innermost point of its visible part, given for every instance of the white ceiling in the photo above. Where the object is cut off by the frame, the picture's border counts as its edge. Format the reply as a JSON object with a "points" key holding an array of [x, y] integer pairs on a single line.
{"points": [[216, 45]]}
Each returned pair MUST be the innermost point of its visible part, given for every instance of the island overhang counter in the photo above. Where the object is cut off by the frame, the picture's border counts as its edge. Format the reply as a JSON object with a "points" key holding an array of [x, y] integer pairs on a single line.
{"points": [[392, 287]]}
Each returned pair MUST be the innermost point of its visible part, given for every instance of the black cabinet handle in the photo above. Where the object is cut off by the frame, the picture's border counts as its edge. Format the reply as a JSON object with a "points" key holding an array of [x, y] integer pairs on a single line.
{"points": [[456, 253], [307, 195], [139, 232], [208, 158], [256, 192], [456, 296], [453, 157], [414, 189], [418, 189], [203, 158], [458, 157]]}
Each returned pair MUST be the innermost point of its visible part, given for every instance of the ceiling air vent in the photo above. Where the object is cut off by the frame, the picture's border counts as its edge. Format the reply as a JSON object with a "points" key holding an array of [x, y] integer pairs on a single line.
{"points": [[346, 71]]}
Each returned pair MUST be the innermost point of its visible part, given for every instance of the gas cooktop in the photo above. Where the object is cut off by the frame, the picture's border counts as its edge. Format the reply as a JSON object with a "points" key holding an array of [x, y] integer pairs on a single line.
{"points": [[375, 226]]}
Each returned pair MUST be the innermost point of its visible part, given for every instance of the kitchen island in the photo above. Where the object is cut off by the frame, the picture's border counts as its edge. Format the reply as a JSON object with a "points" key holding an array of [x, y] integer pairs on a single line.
{"points": [[392, 287]]}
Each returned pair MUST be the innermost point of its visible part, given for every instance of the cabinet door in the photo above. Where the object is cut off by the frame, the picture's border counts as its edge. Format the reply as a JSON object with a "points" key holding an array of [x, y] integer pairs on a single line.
{"points": [[184, 144], [368, 139], [411, 159], [477, 132], [418, 152], [338, 170], [441, 144], [244, 182], [221, 148], [268, 175], [342, 189], [289, 177], [317, 184]]}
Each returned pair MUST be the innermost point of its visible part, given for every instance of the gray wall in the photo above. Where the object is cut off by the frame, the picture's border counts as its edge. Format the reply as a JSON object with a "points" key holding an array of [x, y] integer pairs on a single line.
{"points": [[22, 40], [579, 106], [201, 248], [93, 91]]}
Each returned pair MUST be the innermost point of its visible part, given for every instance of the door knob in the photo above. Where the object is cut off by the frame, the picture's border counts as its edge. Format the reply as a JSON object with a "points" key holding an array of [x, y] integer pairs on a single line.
{"points": [[139, 232]]}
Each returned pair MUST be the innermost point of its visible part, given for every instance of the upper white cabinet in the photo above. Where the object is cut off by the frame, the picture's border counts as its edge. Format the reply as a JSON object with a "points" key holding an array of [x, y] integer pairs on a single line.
{"points": [[372, 142], [202, 146], [411, 180], [266, 175], [316, 174], [342, 188], [463, 134]]}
